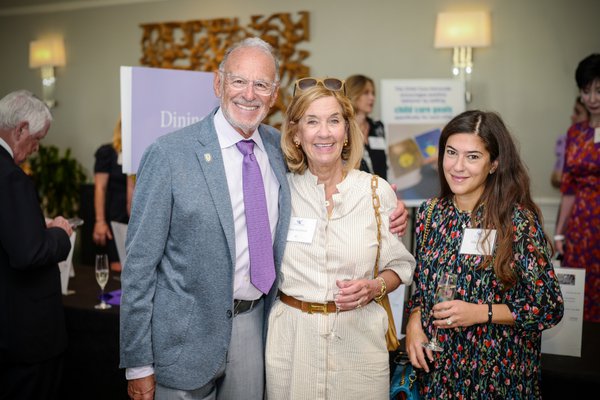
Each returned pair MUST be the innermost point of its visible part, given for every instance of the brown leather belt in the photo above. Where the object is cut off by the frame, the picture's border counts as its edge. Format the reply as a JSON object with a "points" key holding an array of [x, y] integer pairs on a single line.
{"points": [[311, 308]]}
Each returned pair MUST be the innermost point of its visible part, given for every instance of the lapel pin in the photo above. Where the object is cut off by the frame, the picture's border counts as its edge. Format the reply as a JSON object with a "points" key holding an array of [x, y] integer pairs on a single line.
{"points": [[207, 157]]}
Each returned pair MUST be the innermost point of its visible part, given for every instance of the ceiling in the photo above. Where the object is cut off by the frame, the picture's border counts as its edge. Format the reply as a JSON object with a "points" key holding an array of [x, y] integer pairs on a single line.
{"points": [[26, 6]]}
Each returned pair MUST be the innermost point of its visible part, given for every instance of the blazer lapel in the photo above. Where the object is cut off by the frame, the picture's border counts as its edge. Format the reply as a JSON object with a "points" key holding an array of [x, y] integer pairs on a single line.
{"points": [[211, 164]]}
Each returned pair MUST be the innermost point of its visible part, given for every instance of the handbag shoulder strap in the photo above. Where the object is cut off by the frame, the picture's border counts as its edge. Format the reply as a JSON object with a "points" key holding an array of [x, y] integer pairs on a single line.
{"points": [[376, 204], [428, 220]]}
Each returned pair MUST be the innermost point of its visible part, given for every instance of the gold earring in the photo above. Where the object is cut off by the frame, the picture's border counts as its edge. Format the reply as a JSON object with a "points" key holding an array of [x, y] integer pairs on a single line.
{"points": [[345, 141], [297, 144]]}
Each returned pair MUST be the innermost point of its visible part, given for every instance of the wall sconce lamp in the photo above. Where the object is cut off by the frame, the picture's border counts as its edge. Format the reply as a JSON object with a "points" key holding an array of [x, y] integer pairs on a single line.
{"points": [[47, 54], [462, 31]]}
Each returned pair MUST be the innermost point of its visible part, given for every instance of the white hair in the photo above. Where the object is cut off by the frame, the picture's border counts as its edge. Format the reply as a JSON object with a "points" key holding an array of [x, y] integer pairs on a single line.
{"points": [[23, 106], [254, 42]]}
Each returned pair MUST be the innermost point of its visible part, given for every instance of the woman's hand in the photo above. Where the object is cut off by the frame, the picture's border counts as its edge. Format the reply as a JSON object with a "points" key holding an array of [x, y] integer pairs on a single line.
{"points": [[415, 337], [101, 233], [357, 293], [456, 313], [559, 246]]}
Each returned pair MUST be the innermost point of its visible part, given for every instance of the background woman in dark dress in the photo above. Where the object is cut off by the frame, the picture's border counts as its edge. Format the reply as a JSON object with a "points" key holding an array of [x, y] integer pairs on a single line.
{"points": [[360, 90], [112, 195]]}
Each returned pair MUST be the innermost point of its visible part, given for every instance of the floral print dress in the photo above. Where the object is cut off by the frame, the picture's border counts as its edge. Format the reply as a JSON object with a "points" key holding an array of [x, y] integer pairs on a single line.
{"points": [[485, 361], [581, 177]]}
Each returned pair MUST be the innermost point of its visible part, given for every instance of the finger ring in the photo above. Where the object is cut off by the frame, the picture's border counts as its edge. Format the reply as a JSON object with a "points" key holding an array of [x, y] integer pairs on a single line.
{"points": [[449, 321], [358, 305]]}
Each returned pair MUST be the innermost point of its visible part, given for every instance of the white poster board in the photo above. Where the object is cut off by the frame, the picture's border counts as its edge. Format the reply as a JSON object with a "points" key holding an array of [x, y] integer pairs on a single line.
{"points": [[156, 101], [66, 268], [565, 338], [414, 111]]}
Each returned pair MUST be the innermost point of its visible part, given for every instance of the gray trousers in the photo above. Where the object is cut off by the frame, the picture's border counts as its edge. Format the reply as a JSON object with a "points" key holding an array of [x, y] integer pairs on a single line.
{"points": [[243, 375]]}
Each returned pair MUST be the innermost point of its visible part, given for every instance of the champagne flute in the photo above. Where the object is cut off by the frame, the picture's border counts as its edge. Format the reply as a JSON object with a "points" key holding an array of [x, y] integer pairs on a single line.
{"points": [[344, 273], [445, 291], [102, 272]]}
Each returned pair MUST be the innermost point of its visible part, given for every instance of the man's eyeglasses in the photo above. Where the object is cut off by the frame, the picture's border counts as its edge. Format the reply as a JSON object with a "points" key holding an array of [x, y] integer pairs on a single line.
{"points": [[261, 87], [333, 84]]}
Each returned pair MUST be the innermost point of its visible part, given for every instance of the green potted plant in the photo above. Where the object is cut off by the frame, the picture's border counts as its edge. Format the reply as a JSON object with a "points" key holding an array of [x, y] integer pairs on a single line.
{"points": [[58, 180]]}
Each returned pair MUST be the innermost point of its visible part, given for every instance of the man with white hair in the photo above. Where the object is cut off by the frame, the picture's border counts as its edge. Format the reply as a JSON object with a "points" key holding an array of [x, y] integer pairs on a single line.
{"points": [[33, 335]]}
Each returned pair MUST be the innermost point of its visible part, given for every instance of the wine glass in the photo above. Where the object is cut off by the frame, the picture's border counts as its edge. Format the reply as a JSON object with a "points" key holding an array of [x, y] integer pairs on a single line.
{"points": [[344, 273], [102, 279], [445, 291]]}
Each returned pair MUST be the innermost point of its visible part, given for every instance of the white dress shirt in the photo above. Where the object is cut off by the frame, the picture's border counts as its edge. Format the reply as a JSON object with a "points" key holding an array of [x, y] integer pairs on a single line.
{"points": [[233, 158], [7, 147]]}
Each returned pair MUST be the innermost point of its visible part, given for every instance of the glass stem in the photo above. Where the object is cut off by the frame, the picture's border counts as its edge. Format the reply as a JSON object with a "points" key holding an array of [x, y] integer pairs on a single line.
{"points": [[435, 334], [333, 326]]}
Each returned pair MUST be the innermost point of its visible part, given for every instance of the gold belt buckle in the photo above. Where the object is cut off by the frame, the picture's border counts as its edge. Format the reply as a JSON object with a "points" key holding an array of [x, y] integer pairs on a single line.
{"points": [[317, 308]]}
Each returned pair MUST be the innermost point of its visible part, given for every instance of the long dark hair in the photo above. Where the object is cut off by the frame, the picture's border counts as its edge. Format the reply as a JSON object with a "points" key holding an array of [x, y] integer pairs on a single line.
{"points": [[588, 70], [506, 187]]}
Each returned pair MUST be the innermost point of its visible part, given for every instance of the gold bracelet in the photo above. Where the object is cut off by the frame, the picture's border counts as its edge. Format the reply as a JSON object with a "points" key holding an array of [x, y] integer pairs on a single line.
{"points": [[383, 289]]}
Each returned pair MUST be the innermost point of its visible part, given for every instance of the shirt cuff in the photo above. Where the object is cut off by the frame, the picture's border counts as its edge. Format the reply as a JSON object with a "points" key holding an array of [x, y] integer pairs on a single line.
{"points": [[139, 372]]}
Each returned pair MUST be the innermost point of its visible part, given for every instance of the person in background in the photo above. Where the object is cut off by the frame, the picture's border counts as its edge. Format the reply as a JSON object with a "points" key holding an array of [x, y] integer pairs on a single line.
{"points": [[579, 115], [506, 293], [192, 310], [33, 334], [113, 191], [360, 90], [578, 226], [323, 145]]}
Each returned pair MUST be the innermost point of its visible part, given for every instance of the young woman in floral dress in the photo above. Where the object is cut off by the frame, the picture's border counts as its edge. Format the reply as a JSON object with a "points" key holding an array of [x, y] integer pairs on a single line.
{"points": [[506, 293]]}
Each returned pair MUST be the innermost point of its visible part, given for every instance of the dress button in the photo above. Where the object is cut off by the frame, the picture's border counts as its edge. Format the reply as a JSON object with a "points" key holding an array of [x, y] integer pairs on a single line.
{"points": [[229, 313]]}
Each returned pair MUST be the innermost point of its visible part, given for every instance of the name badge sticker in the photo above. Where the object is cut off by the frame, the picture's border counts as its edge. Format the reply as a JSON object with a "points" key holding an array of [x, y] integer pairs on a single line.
{"points": [[473, 242], [302, 230], [377, 142], [597, 135]]}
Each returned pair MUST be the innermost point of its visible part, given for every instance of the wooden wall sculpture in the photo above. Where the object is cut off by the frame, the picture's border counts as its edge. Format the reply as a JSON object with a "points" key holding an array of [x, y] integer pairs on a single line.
{"points": [[200, 45]]}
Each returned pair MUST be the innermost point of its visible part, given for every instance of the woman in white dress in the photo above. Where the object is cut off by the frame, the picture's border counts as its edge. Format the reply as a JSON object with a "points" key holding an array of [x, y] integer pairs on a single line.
{"points": [[333, 235]]}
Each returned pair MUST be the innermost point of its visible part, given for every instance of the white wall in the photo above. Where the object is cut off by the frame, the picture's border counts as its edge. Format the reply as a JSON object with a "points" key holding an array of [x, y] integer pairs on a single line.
{"points": [[526, 75]]}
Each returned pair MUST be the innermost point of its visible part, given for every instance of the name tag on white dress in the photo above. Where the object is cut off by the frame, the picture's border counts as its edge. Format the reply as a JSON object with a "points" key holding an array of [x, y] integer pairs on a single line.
{"points": [[377, 142], [302, 230], [473, 242]]}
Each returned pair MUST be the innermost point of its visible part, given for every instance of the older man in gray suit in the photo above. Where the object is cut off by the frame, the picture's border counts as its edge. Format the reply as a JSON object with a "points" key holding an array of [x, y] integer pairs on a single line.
{"points": [[187, 252], [192, 320]]}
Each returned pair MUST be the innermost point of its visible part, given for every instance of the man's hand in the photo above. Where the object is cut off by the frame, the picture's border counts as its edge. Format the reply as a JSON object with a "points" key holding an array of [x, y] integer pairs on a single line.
{"points": [[399, 219], [60, 222], [142, 388]]}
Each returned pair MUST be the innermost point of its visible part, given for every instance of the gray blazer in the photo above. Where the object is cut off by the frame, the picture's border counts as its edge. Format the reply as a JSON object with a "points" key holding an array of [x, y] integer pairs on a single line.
{"points": [[177, 282]]}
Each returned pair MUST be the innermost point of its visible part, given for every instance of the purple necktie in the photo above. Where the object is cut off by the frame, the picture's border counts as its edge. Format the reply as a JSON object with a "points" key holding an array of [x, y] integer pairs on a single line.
{"points": [[260, 245]]}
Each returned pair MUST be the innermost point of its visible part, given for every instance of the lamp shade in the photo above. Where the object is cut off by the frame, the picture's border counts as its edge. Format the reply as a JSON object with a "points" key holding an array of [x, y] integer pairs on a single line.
{"points": [[49, 52], [462, 29]]}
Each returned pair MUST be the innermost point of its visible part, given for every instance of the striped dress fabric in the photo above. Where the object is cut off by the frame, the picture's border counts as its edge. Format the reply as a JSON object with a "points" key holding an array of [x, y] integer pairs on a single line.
{"points": [[300, 362]]}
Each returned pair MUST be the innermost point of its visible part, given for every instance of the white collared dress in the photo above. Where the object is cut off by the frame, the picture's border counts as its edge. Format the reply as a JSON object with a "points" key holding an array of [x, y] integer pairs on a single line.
{"points": [[300, 362]]}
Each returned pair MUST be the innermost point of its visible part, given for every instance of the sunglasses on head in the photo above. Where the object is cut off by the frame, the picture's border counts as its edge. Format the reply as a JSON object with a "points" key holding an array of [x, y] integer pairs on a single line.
{"points": [[333, 84]]}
